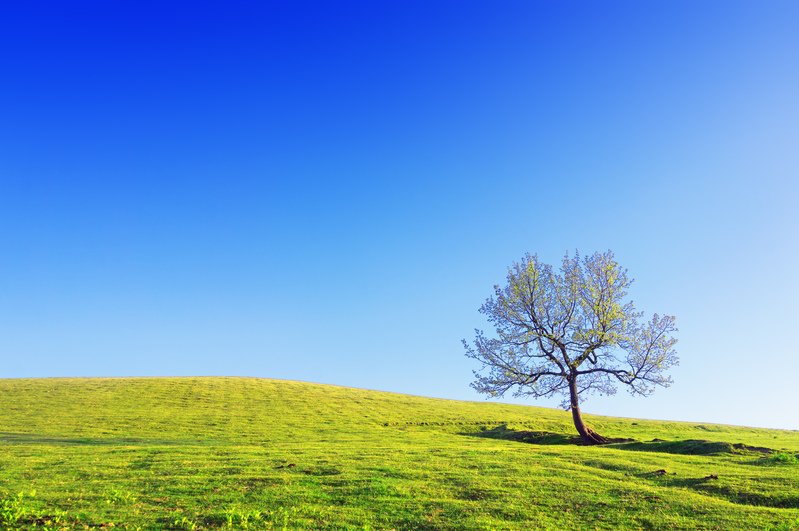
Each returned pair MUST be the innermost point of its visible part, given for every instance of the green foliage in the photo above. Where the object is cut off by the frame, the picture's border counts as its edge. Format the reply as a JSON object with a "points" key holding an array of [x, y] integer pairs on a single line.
{"points": [[12, 509], [184, 522], [782, 458], [15, 513], [570, 331], [239, 453]]}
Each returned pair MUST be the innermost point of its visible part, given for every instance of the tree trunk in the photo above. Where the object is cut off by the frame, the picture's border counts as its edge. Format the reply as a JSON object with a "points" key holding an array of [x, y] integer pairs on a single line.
{"points": [[588, 435]]}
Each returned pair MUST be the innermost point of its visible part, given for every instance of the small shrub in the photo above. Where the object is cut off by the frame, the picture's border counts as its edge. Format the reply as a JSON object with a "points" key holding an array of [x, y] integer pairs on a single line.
{"points": [[56, 520], [115, 496], [12, 508], [184, 522], [781, 458], [236, 518]]}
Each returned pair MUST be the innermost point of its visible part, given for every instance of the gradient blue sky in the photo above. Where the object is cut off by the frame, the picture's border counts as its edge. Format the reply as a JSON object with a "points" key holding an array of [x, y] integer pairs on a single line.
{"points": [[328, 192]]}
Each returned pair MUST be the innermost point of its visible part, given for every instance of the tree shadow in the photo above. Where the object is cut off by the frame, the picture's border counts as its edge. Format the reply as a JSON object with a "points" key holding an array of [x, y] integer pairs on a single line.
{"points": [[532, 437], [692, 447], [711, 486], [684, 447]]}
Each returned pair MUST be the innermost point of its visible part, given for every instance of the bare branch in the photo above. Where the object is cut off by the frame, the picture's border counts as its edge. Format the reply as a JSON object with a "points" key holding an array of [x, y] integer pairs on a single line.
{"points": [[571, 325]]}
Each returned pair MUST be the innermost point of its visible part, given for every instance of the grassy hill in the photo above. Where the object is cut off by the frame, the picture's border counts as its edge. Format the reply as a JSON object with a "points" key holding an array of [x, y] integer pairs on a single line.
{"points": [[193, 453]]}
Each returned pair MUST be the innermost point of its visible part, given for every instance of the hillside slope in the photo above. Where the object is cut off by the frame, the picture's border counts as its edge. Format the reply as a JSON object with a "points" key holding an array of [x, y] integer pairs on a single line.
{"points": [[245, 452]]}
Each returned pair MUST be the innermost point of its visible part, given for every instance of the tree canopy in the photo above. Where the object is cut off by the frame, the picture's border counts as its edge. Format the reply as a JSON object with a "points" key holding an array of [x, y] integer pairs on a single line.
{"points": [[571, 332]]}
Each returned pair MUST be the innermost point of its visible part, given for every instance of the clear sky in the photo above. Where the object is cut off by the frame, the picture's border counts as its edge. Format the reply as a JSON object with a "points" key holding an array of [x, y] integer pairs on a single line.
{"points": [[328, 191]]}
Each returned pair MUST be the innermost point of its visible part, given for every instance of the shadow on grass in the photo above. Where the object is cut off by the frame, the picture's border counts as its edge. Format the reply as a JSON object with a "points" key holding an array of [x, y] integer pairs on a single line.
{"points": [[692, 447], [711, 486], [32, 438], [533, 437], [686, 447]]}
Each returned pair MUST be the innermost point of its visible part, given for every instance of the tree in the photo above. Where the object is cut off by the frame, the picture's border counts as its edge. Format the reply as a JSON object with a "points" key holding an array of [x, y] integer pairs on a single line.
{"points": [[570, 332]]}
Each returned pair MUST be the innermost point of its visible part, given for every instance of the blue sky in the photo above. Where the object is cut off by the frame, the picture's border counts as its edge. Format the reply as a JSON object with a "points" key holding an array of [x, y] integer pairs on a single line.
{"points": [[328, 192]]}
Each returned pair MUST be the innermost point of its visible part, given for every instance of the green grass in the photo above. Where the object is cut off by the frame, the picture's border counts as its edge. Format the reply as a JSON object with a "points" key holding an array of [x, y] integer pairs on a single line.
{"points": [[194, 453]]}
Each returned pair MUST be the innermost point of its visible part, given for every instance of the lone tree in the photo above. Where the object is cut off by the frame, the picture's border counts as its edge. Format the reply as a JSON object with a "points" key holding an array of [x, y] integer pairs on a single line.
{"points": [[570, 332]]}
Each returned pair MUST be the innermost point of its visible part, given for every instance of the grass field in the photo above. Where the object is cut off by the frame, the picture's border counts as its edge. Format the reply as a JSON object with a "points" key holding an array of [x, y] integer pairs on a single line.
{"points": [[194, 453]]}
